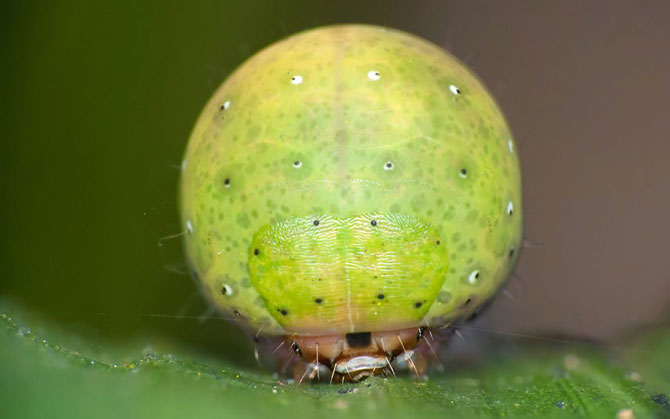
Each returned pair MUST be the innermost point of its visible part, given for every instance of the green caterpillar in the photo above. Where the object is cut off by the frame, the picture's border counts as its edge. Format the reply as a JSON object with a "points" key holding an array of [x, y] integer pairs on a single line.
{"points": [[349, 183]]}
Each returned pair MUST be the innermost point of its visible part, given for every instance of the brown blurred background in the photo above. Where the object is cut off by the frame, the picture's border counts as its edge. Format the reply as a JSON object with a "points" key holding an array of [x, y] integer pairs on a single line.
{"points": [[99, 99], [586, 89]]}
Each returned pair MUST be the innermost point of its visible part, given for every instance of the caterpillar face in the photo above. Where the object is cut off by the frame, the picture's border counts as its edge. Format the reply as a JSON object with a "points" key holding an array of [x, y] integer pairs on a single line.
{"points": [[351, 180]]}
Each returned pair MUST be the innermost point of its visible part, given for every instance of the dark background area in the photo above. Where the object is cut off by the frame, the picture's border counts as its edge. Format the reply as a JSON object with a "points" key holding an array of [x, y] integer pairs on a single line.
{"points": [[99, 99]]}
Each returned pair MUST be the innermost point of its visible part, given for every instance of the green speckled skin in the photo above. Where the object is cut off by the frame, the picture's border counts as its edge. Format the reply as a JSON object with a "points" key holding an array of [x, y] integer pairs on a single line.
{"points": [[347, 179]]}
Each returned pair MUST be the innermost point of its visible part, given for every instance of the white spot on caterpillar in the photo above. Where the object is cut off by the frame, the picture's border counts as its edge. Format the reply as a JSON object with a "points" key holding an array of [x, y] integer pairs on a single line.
{"points": [[183, 165], [226, 290], [510, 208], [189, 226], [474, 276], [510, 145], [226, 104], [296, 80], [388, 166], [374, 75], [455, 90], [297, 164]]}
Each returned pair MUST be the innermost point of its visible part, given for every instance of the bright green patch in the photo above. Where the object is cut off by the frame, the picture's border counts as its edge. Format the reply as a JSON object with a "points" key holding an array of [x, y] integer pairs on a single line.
{"points": [[361, 273]]}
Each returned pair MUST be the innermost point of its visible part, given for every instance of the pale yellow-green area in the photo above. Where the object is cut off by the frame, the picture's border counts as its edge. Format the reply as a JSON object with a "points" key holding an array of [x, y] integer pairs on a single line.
{"points": [[341, 122]]}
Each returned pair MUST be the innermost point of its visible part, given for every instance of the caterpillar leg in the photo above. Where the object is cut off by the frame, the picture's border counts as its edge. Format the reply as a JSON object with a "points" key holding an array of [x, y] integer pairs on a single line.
{"points": [[355, 357]]}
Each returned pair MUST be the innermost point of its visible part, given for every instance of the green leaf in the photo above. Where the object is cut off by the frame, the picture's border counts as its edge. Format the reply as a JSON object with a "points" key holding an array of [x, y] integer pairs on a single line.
{"points": [[41, 378], [649, 355]]}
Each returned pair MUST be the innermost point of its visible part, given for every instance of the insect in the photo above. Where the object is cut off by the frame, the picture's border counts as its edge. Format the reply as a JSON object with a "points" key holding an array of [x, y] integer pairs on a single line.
{"points": [[348, 190]]}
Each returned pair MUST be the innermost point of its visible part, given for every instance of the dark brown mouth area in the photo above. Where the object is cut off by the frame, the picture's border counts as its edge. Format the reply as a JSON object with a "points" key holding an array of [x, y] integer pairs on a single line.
{"points": [[354, 357]]}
